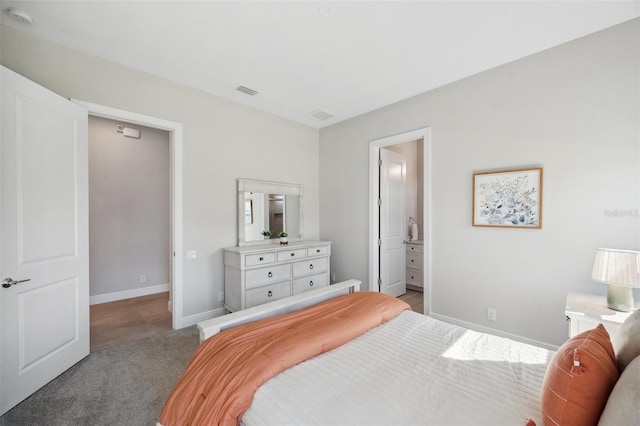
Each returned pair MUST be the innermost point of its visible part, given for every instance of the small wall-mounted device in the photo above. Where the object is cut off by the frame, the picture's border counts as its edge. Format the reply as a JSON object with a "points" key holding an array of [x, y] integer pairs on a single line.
{"points": [[127, 131], [131, 133]]}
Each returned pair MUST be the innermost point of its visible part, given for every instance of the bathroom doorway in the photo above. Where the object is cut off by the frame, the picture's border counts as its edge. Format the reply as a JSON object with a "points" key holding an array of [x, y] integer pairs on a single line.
{"points": [[416, 147]]}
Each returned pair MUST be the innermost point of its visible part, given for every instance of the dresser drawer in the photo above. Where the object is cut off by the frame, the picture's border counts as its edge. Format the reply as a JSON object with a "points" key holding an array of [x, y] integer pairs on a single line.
{"points": [[414, 248], [318, 251], [414, 277], [309, 267], [414, 260], [267, 293], [259, 259], [291, 255], [268, 275], [300, 285]]}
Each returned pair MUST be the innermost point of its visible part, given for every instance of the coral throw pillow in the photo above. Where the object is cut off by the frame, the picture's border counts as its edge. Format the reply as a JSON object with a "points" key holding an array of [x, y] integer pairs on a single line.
{"points": [[579, 379]]}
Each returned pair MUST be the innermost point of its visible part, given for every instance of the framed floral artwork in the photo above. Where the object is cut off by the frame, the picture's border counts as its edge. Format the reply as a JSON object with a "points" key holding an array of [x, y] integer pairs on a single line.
{"points": [[508, 199]]}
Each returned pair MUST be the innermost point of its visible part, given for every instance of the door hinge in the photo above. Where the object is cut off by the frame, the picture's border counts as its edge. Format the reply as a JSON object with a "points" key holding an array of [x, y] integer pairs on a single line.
{"points": [[379, 242], [379, 202], [379, 162]]}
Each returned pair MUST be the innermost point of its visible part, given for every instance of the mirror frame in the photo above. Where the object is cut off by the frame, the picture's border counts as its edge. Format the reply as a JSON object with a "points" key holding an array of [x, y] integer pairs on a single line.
{"points": [[249, 185]]}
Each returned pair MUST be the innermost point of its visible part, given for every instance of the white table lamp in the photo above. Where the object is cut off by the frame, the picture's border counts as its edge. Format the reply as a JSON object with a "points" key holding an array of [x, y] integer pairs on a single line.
{"points": [[620, 270]]}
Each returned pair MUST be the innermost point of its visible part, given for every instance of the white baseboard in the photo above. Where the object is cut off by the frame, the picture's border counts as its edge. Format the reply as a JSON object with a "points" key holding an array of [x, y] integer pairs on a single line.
{"points": [[493, 331], [128, 294], [194, 319]]}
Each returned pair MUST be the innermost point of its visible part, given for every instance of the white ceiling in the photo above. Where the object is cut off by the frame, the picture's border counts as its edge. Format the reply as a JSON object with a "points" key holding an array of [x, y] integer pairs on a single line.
{"points": [[346, 58]]}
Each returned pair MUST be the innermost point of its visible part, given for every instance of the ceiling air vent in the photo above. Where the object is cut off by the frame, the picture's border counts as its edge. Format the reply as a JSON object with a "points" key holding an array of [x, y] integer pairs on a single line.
{"points": [[246, 90], [321, 114]]}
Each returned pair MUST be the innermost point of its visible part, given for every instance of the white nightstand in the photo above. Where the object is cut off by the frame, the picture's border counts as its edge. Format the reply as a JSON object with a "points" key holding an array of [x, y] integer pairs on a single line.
{"points": [[585, 311]]}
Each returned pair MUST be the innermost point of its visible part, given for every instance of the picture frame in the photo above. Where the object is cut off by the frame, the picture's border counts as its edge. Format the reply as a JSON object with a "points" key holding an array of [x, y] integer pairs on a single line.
{"points": [[508, 198]]}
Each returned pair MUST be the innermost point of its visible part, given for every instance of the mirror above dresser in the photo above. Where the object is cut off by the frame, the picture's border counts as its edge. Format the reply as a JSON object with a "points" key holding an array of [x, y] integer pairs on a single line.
{"points": [[268, 206], [264, 269]]}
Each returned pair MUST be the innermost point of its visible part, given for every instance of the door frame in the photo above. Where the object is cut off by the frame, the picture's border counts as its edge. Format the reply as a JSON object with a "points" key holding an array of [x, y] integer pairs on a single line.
{"points": [[374, 219], [176, 148]]}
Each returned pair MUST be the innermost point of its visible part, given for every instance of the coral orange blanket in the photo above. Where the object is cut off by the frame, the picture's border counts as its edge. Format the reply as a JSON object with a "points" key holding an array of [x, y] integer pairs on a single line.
{"points": [[227, 369]]}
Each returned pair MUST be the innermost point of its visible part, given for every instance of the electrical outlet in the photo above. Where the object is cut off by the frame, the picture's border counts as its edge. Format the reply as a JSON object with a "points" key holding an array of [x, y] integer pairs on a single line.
{"points": [[491, 314], [143, 278], [220, 296]]}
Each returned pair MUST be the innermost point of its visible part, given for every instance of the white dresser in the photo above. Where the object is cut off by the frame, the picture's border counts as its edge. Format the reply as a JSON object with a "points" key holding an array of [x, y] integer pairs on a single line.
{"points": [[415, 253], [259, 274]]}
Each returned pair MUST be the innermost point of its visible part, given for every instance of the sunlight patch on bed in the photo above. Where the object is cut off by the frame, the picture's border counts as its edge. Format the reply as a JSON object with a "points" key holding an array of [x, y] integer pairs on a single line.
{"points": [[473, 346]]}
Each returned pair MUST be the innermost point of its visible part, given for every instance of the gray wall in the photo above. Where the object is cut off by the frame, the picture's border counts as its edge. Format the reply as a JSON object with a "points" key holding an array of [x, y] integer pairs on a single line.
{"points": [[574, 110], [129, 205], [223, 141]]}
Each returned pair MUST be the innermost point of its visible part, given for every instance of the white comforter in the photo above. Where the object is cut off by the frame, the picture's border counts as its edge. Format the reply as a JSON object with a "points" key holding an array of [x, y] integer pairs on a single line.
{"points": [[414, 370]]}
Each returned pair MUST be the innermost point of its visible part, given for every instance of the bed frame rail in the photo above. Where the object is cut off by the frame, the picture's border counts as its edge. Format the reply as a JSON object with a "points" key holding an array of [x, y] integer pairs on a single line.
{"points": [[278, 307]]}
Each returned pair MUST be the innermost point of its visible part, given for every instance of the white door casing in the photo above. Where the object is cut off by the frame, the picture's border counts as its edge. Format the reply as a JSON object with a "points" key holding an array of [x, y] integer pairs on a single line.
{"points": [[176, 137], [44, 232], [393, 229], [374, 183]]}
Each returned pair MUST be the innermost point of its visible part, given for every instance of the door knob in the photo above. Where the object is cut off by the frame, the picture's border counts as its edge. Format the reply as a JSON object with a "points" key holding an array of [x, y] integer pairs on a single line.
{"points": [[8, 282]]}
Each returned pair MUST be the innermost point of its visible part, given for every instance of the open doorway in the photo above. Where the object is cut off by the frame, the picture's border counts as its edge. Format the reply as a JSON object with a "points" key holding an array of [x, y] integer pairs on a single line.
{"points": [[129, 231], [175, 130], [415, 147]]}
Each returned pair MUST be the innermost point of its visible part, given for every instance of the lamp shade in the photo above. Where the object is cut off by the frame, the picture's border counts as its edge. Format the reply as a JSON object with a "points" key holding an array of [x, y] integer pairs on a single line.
{"points": [[617, 267]]}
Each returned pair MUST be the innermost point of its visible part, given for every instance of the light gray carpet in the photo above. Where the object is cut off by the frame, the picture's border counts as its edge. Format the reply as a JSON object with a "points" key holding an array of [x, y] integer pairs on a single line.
{"points": [[124, 385]]}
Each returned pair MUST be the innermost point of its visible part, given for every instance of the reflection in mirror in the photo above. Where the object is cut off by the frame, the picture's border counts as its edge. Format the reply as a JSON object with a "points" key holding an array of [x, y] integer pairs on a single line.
{"points": [[269, 212], [248, 211], [293, 218], [268, 206], [276, 214]]}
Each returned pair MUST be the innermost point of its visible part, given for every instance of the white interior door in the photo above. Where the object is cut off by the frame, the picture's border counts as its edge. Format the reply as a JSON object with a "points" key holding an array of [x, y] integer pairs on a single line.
{"points": [[44, 230], [393, 174]]}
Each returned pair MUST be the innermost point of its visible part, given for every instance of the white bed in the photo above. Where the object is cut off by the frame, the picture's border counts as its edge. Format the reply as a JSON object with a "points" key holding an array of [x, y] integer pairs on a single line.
{"points": [[412, 370]]}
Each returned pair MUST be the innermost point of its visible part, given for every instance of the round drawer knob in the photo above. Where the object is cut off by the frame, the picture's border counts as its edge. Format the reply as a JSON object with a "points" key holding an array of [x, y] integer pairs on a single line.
{"points": [[318, 251], [293, 254], [261, 259], [269, 274], [310, 283], [270, 293], [411, 260], [311, 266]]}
